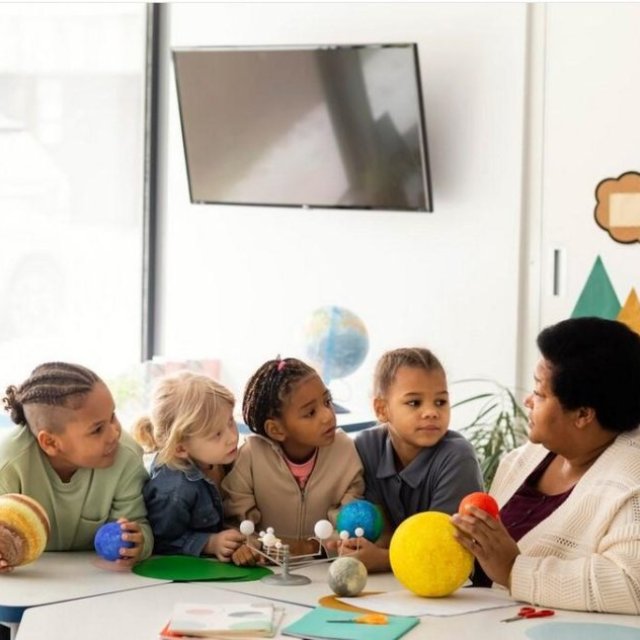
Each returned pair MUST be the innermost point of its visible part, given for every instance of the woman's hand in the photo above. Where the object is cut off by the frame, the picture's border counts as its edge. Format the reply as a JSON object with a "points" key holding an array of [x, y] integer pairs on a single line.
{"points": [[488, 540], [223, 545]]}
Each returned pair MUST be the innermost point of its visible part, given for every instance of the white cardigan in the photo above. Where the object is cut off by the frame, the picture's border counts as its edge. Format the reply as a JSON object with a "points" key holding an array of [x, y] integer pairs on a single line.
{"points": [[586, 555]]}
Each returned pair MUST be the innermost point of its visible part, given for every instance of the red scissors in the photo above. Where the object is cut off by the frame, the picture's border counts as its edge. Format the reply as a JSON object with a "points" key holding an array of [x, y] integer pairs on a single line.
{"points": [[530, 612]]}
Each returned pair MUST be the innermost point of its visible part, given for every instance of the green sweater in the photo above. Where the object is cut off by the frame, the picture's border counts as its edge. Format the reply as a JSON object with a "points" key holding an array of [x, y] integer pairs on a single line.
{"points": [[77, 508]]}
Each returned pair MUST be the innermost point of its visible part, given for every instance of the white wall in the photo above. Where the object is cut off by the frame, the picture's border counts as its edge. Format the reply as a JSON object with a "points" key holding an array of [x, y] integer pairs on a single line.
{"points": [[588, 100], [238, 283], [591, 112]]}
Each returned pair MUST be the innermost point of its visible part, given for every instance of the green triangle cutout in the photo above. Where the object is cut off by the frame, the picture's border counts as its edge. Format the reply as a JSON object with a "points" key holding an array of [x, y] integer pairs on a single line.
{"points": [[598, 297]]}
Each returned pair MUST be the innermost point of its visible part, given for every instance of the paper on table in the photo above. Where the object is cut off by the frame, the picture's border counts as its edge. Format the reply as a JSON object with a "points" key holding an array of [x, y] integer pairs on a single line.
{"points": [[213, 620], [405, 603], [320, 624], [581, 631]]}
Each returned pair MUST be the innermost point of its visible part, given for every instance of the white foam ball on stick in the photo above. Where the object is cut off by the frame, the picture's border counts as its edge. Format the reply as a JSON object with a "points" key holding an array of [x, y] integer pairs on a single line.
{"points": [[323, 529], [344, 535], [247, 527], [270, 530], [269, 540], [359, 532]]}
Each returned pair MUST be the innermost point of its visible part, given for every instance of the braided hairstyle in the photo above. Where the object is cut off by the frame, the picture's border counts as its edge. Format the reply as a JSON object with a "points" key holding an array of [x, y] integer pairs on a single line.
{"points": [[268, 388], [53, 384]]}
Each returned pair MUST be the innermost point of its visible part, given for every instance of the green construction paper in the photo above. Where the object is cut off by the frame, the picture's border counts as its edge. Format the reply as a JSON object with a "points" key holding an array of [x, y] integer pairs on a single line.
{"points": [[191, 569], [582, 631], [598, 298], [315, 624]]}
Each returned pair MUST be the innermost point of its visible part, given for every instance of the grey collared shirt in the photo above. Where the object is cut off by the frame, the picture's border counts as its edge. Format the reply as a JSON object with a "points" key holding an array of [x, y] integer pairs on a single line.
{"points": [[436, 480]]}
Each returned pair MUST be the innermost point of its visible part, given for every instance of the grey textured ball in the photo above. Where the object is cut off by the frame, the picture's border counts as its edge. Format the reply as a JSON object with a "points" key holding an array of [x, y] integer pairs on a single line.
{"points": [[347, 576]]}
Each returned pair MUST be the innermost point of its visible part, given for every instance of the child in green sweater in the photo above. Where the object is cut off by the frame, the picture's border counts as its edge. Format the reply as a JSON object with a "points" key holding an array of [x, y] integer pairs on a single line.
{"points": [[69, 453]]}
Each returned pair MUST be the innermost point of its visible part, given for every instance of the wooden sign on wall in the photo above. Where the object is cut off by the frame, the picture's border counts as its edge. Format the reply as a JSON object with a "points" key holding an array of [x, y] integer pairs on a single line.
{"points": [[618, 207]]}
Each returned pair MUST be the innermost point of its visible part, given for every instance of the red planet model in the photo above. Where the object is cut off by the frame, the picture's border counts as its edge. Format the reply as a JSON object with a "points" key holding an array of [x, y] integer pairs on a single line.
{"points": [[481, 500]]}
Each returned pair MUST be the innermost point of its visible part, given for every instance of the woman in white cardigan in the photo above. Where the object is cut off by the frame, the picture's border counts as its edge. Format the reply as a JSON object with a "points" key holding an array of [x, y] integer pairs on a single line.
{"points": [[569, 529]]}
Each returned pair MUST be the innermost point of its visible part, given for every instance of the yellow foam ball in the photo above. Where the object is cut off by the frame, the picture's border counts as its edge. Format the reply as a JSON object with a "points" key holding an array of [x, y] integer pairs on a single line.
{"points": [[24, 529], [426, 558]]}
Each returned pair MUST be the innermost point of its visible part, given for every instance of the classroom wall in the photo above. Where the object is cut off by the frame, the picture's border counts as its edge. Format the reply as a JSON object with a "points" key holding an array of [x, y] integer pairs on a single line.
{"points": [[586, 104], [238, 283]]}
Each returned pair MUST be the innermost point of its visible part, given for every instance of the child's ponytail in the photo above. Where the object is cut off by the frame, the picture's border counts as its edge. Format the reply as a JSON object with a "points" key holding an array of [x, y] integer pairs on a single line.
{"points": [[13, 406], [142, 431]]}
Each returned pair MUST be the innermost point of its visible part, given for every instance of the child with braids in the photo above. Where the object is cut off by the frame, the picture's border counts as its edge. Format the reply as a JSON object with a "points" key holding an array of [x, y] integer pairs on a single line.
{"points": [[192, 430], [297, 468], [69, 453]]}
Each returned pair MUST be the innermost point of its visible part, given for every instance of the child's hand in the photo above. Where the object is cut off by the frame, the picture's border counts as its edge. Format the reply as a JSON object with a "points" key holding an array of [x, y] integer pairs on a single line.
{"points": [[373, 557], [5, 567], [245, 556], [222, 545], [12, 546], [131, 533]]}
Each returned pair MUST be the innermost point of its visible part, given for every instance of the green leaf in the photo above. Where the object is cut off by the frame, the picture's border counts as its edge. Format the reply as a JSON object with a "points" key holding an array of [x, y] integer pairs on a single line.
{"points": [[498, 425]]}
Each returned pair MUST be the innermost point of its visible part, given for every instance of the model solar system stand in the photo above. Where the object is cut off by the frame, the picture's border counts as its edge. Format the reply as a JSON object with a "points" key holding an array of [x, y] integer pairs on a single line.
{"points": [[279, 554]]}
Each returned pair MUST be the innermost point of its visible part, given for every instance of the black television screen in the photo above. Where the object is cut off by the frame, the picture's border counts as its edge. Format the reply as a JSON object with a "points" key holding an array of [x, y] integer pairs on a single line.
{"points": [[334, 126]]}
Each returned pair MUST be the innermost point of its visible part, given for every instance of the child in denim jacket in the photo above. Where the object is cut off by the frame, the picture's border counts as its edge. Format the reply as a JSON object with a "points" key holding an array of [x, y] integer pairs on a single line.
{"points": [[192, 431]]}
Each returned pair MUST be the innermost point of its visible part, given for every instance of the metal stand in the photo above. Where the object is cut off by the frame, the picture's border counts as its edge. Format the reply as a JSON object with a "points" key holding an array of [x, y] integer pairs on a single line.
{"points": [[285, 579]]}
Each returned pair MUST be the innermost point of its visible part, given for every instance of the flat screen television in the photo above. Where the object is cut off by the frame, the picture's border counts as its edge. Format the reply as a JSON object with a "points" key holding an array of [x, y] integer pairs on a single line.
{"points": [[330, 126]]}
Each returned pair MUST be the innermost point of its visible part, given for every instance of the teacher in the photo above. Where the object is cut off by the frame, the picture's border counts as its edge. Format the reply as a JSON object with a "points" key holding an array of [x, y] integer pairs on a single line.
{"points": [[569, 528]]}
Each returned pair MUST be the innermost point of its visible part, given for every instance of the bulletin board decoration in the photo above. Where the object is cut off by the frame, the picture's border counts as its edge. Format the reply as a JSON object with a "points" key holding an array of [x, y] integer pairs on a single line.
{"points": [[630, 312], [617, 208], [598, 297]]}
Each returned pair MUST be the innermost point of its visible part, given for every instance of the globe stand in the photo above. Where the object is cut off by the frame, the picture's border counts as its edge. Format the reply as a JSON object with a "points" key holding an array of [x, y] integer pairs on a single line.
{"points": [[285, 579]]}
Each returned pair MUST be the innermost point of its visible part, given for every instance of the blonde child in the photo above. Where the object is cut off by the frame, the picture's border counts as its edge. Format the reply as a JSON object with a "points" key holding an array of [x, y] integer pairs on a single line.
{"points": [[193, 434], [297, 468], [412, 462], [69, 453]]}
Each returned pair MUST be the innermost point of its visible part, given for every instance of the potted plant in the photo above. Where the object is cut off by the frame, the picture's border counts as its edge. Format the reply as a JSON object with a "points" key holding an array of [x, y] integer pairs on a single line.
{"points": [[494, 422]]}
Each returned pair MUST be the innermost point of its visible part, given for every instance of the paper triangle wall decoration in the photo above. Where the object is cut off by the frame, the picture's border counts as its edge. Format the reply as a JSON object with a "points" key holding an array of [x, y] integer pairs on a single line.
{"points": [[630, 312], [598, 297]]}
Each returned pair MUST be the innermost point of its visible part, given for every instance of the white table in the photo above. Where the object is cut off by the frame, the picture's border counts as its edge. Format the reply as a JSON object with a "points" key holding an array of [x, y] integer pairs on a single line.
{"points": [[309, 594], [59, 576], [471, 626], [139, 614]]}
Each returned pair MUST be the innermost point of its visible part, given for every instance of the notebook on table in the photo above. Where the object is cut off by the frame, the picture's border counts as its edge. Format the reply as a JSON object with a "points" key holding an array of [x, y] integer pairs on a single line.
{"points": [[323, 624]]}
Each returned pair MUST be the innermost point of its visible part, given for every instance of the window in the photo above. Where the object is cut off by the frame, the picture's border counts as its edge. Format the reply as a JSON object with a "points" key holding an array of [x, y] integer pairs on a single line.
{"points": [[72, 90]]}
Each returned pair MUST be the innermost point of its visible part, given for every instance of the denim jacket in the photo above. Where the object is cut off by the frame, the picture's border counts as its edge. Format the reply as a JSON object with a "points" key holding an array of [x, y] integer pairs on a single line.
{"points": [[184, 509]]}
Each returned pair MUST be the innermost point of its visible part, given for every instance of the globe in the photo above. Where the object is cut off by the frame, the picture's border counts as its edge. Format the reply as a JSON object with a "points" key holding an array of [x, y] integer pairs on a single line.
{"points": [[336, 341]]}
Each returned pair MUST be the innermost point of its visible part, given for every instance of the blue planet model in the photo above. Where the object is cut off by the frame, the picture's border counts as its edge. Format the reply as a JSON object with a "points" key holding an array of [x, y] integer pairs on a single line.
{"points": [[108, 541], [363, 514]]}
